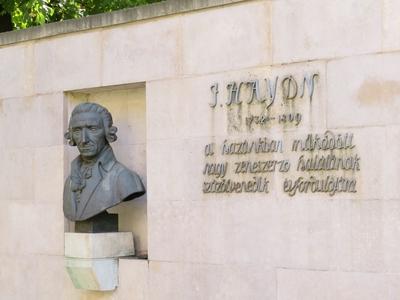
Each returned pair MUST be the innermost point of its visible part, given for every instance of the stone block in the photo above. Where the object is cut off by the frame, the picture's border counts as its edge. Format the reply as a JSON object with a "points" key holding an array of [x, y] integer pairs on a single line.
{"points": [[30, 228], [367, 85], [367, 228], [51, 279], [391, 163], [391, 24], [184, 220], [48, 170], [133, 279], [211, 38], [181, 107], [13, 275], [304, 233], [390, 231], [99, 245], [248, 231], [16, 78], [161, 157], [182, 281], [308, 30], [17, 182], [62, 64], [32, 174], [45, 280], [93, 274], [140, 51], [304, 284], [164, 121], [36, 115]]}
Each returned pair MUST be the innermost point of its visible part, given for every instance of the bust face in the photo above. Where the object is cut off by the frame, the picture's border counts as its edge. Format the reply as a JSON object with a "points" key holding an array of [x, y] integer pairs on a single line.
{"points": [[87, 131]]}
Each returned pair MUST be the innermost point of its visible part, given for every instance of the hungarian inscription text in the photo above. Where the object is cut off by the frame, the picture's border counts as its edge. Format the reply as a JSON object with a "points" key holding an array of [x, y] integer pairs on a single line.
{"points": [[317, 163]]}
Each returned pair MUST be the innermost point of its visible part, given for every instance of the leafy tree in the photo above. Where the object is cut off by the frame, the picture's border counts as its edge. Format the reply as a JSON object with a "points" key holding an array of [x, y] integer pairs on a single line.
{"points": [[27, 13]]}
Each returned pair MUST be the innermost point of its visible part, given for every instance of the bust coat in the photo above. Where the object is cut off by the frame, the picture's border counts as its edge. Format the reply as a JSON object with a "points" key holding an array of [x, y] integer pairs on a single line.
{"points": [[92, 189]]}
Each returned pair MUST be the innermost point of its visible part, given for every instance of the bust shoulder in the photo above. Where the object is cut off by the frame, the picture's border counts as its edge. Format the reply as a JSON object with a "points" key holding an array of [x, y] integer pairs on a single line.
{"points": [[128, 183]]}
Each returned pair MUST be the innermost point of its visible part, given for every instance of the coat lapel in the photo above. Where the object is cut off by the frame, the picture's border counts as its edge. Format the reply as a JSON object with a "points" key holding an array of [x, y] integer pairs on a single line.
{"points": [[85, 201], [91, 184]]}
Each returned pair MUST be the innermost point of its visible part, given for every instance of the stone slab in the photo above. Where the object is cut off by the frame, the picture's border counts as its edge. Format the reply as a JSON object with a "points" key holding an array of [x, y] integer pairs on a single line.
{"points": [[246, 24], [314, 29], [93, 274], [122, 48], [99, 245], [306, 284], [391, 24], [367, 85], [183, 281], [62, 64], [133, 279], [143, 12]]}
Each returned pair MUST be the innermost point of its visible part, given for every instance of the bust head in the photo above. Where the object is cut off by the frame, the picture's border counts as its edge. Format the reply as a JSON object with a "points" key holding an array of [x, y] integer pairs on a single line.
{"points": [[90, 129]]}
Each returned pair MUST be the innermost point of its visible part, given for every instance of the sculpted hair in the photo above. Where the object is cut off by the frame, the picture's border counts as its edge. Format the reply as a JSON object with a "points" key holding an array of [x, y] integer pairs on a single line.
{"points": [[86, 107]]}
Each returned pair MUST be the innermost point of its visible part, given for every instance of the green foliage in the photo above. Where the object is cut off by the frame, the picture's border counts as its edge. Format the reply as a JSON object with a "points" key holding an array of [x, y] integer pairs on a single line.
{"points": [[27, 13], [99, 6]]}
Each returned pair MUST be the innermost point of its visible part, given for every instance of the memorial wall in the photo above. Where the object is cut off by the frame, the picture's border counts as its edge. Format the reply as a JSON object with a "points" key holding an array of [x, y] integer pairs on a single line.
{"points": [[265, 133]]}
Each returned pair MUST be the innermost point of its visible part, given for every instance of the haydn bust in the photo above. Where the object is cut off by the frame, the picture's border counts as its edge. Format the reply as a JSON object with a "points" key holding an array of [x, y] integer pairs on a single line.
{"points": [[97, 180]]}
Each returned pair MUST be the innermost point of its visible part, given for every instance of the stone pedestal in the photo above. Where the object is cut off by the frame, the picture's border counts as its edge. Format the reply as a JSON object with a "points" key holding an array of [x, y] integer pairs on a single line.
{"points": [[93, 274], [103, 222], [91, 259]]}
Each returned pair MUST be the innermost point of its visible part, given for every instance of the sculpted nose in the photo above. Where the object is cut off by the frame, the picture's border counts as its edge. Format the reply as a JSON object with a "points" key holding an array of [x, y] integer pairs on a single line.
{"points": [[84, 135]]}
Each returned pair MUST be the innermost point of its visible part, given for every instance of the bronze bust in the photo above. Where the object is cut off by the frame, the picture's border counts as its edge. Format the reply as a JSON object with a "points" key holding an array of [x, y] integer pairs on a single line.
{"points": [[97, 180]]}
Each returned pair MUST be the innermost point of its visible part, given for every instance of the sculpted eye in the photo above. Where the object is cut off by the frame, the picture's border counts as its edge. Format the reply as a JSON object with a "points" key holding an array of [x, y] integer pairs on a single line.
{"points": [[76, 130], [93, 128]]}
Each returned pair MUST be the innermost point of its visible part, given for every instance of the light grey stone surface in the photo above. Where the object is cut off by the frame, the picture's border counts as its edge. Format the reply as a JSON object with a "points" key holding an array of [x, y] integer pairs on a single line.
{"points": [[367, 84], [299, 284], [99, 245], [12, 84], [207, 50], [182, 281], [42, 276], [93, 274], [325, 29], [133, 279], [56, 69], [150, 48], [391, 24]]}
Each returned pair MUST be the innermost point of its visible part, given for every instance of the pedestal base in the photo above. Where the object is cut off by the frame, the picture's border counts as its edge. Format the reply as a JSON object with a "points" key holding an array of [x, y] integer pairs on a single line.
{"points": [[99, 245], [91, 259], [93, 274]]}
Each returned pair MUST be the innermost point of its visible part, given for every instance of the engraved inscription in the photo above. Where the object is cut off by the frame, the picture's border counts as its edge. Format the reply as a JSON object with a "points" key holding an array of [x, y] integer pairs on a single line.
{"points": [[324, 163], [261, 103], [275, 158]]}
